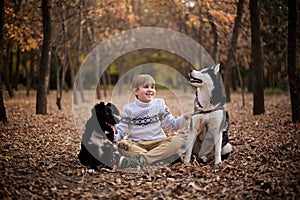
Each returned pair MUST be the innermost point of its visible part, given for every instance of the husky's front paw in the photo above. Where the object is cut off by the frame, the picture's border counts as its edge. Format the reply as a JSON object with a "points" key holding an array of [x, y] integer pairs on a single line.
{"points": [[217, 162], [227, 149]]}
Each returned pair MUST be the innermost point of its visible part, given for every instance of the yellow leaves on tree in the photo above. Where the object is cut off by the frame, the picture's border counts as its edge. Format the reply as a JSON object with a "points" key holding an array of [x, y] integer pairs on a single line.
{"points": [[221, 16], [18, 28], [193, 21]]}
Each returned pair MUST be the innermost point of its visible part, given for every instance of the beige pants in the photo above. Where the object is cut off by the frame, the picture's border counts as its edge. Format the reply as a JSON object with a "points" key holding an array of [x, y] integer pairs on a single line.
{"points": [[151, 150]]}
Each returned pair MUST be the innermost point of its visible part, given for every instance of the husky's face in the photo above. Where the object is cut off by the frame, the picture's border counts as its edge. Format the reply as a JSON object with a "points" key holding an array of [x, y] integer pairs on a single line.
{"points": [[209, 82], [203, 77]]}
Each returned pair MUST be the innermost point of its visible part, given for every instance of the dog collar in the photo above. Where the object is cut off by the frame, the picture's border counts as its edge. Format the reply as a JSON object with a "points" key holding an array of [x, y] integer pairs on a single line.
{"points": [[208, 111]]}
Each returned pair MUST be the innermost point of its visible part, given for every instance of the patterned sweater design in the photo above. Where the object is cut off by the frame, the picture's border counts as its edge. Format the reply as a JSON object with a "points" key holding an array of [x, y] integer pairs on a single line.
{"points": [[144, 121]]}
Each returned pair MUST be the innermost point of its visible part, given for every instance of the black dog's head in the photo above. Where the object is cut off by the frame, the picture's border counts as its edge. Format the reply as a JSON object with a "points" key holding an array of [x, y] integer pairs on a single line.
{"points": [[107, 118]]}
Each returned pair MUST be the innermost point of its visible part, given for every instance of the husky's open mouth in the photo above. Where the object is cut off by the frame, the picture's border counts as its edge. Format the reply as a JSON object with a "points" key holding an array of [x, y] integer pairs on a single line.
{"points": [[195, 80]]}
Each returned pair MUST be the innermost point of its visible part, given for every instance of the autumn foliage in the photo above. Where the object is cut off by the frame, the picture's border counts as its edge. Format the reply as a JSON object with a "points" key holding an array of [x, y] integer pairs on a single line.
{"points": [[81, 25]]}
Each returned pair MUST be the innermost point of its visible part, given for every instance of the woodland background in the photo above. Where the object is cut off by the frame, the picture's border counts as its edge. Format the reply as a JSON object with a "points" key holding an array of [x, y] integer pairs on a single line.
{"points": [[43, 44]]}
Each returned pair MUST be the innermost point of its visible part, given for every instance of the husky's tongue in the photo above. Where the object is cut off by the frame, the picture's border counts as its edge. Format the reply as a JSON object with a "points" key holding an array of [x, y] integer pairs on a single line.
{"points": [[195, 80]]}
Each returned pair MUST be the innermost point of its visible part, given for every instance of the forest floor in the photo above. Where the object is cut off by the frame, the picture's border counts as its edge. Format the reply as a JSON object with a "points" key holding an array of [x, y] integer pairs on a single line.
{"points": [[39, 157]]}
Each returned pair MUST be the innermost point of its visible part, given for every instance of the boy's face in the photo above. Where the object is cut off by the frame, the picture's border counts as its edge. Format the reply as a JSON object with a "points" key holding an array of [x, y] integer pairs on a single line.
{"points": [[146, 92]]}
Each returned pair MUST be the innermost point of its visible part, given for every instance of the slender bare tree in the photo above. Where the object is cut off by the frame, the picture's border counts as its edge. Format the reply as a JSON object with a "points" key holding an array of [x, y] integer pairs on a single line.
{"points": [[256, 55], [3, 117], [44, 66], [233, 44], [294, 81]]}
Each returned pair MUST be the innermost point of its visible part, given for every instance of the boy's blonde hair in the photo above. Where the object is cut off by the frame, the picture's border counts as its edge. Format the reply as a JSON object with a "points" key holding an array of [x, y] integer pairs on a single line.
{"points": [[142, 79]]}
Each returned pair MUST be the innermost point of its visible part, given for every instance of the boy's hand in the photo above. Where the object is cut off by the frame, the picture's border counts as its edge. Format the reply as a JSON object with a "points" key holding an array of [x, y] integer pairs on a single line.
{"points": [[188, 115]]}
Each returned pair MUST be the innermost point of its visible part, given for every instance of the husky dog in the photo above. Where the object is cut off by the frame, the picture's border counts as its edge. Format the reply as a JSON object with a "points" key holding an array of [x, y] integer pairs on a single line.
{"points": [[96, 143], [208, 123]]}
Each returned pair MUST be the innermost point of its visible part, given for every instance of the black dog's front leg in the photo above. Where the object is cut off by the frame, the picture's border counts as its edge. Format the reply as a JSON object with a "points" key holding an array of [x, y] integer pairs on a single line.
{"points": [[86, 158], [110, 136]]}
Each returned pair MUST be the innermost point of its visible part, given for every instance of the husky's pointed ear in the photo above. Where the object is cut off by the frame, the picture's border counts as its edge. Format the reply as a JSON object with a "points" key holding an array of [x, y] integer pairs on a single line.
{"points": [[216, 68]]}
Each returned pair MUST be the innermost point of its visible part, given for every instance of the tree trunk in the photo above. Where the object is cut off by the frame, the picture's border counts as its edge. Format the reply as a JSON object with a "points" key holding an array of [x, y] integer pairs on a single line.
{"points": [[104, 82], [250, 78], [75, 98], [71, 69], [230, 58], [44, 67], [17, 72], [58, 88], [6, 71], [233, 80], [30, 82], [121, 72], [3, 117], [256, 54], [200, 31], [24, 63], [64, 65], [215, 36], [294, 80], [28, 71], [97, 70]]}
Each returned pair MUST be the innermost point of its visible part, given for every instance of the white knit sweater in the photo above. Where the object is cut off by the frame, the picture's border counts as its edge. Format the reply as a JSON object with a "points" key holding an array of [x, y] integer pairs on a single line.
{"points": [[144, 121]]}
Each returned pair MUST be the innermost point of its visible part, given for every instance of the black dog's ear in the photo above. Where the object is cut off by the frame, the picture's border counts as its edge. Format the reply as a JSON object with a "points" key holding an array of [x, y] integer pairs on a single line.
{"points": [[94, 109]]}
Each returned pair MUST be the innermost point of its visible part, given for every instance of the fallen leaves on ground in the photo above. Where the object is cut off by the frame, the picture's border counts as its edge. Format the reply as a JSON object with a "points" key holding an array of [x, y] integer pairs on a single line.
{"points": [[39, 158]]}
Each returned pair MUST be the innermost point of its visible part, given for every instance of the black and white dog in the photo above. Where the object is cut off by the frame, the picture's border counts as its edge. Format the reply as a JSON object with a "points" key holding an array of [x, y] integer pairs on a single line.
{"points": [[210, 122], [96, 142]]}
